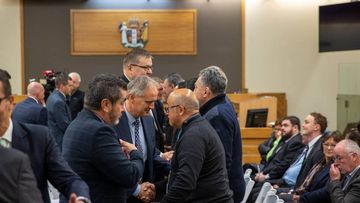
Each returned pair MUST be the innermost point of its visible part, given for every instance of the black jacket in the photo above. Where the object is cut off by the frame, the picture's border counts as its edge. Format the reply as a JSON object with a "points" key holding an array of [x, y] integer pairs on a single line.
{"points": [[198, 171]]}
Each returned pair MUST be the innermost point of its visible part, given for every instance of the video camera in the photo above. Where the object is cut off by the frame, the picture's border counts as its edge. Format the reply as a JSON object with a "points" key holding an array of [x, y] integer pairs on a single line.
{"points": [[48, 81]]}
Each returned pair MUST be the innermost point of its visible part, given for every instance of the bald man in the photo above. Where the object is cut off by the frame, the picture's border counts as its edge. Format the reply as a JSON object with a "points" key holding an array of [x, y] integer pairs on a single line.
{"points": [[31, 110], [76, 102], [198, 170]]}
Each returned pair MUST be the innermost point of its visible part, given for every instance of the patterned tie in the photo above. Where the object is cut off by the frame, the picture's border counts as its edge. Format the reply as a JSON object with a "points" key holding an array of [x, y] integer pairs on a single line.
{"points": [[136, 124], [4, 143]]}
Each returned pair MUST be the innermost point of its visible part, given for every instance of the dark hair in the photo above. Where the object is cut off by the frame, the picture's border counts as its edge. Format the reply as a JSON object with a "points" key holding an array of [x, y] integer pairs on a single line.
{"points": [[321, 120], [102, 86], [174, 78], [336, 135], [62, 79], [354, 135], [293, 120], [133, 56], [190, 83], [5, 79]]}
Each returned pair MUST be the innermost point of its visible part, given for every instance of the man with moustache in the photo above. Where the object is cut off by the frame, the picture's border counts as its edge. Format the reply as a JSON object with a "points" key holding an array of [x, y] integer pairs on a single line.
{"points": [[92, 148], [137, 126]]}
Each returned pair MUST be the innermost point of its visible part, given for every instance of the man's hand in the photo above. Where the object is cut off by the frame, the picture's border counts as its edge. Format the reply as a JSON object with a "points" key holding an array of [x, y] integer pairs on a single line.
{"points": [[147, 192], [334, 173], [167, 155], [296, 198], [73, 199], [127, 147], [260, 177]]}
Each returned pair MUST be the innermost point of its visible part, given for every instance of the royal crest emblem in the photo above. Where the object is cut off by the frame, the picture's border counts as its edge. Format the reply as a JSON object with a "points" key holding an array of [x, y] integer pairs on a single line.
{"points": [[134, 34]]}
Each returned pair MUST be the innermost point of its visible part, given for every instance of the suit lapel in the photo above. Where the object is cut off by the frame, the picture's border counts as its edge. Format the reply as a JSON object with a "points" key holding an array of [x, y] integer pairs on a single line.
{"points": [[124, 128], [353, 178], [146, 129]]}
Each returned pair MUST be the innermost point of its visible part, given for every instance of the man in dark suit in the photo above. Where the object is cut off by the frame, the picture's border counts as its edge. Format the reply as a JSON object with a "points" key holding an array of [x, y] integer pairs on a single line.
{"points": [[59, 115], [137, 126], [92, 148], [18, 183], [35, 141], [76, 102], [31, 110], [210, 90], [347, 163], [198, 171]]}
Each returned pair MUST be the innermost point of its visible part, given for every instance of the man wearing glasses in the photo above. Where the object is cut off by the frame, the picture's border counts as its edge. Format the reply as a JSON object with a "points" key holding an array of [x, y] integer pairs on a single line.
{"points": [[137, 62], [345, 188]]}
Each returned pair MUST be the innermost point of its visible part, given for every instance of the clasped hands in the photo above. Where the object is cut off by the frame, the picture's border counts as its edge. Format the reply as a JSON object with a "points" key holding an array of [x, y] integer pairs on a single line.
{"points": [[260, 177], [147, 192]]}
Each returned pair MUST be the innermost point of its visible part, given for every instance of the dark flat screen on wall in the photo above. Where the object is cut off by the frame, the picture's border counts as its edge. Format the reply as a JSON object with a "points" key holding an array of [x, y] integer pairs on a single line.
{"points": [[339, 27]]}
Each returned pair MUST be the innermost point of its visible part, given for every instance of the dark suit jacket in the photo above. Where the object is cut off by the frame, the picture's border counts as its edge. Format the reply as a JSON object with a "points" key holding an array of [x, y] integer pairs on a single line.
{"points": [[351, 194], [76, 103], [47, 161], [124, 78], [280, 161], [153, 163], [315, 155], [317, 191], [159, 119], [18, 183], [221, 115], [29, 111], [59, 116], [92, 149]]}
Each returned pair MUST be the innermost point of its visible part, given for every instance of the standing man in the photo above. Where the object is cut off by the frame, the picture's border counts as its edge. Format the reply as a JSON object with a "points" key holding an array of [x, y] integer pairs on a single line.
{"points": [[347, 162], [45, 156], [31, 110], [137, 127], [76, 102], [92, 148], [170, 83], [198, 171], [136, 62], [210, 90]]}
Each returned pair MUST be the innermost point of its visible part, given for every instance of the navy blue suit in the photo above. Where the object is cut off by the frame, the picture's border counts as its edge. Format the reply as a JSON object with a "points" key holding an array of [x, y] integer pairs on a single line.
{"points": [[46, 160], [317, 191], [76, 103], [221, 115], [92, 149], [59, 115], [29, 111], [154, 162]]}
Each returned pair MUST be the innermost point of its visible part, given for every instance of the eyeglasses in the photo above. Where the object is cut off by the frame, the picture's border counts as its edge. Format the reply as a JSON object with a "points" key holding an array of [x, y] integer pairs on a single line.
{"points": [[327, 145], [143, 67], [339, 158], [167, 109], [3, 98]]}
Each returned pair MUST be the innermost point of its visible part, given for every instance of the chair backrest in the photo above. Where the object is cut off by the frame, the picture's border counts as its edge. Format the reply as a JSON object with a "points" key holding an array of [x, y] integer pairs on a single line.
{"points": [[249, 186], [247, 179], [247, 172], [271, 196], [280, 201], [264, 189]]}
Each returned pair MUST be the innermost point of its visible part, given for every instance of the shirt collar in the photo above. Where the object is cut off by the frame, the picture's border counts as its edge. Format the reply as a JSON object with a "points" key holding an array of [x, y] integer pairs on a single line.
{"points": [[131, 119], [8, 133], [33, 98], [313, 141], [354, 171]]}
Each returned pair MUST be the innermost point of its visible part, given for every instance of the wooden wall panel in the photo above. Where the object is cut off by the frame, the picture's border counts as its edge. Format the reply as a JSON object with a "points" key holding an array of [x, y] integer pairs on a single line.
{"points": [[171, 32]]}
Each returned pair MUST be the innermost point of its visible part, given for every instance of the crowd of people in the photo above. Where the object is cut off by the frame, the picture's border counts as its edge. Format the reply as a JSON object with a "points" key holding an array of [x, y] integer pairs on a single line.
{"points": [[138, 138]]}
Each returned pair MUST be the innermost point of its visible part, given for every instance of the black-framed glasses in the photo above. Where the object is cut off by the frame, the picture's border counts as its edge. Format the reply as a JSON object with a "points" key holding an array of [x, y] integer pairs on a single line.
{"points": [[167, 109], [3, 98], [143, 67]]}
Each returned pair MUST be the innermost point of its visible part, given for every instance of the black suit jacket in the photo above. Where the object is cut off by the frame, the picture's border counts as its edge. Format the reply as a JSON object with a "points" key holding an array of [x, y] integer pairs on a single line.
{"points": [[92, 149], [351, 194], [47, 161], [315, 155], [124, 78], [76, 103], [18, 183], [284, 156], [154, 162], [29, 111]]}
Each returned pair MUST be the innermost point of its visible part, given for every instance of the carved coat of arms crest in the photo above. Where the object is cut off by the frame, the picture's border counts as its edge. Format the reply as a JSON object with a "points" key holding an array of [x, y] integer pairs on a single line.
{"points": [[134, 34]]}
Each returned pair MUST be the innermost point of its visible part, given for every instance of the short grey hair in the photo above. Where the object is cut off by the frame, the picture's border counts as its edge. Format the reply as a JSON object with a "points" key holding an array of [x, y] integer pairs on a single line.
{"points": [[77, 75], [138, 86], [190, 103], [351, 146], [214, 78]]}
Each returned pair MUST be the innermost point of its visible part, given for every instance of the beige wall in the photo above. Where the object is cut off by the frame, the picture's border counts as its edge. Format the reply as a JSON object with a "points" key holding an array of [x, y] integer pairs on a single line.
{"points": [[10, 43], [282, 55]]}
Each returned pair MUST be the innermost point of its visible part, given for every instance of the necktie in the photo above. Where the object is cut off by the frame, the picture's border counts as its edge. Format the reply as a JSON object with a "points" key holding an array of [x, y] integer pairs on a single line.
{"points": [[4, 143], [137, 137], [345, 182]]}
